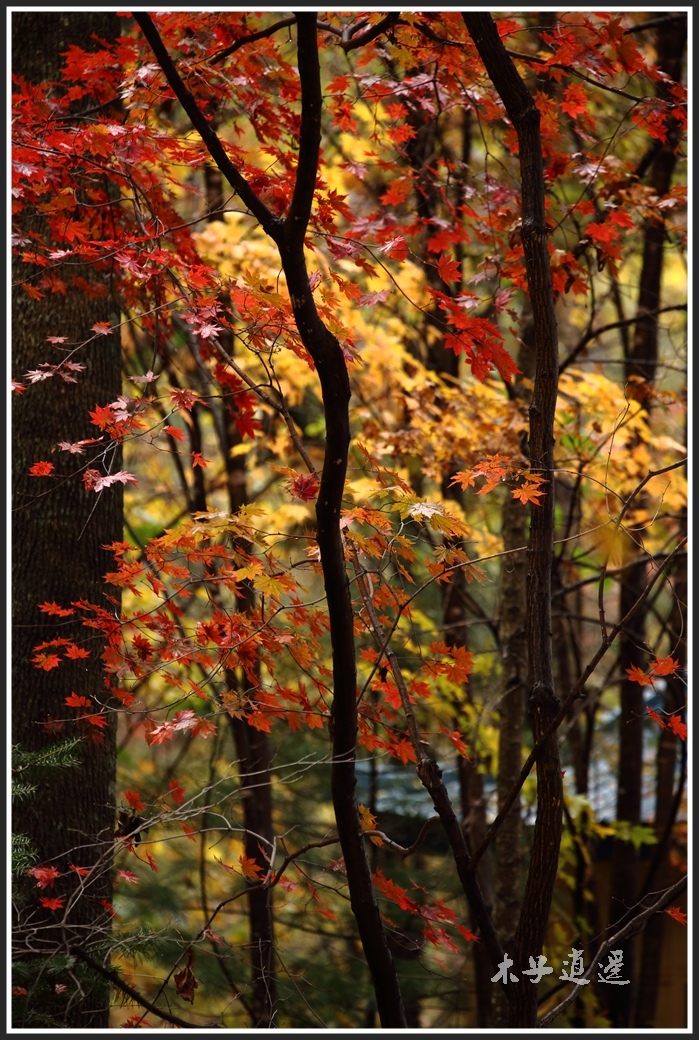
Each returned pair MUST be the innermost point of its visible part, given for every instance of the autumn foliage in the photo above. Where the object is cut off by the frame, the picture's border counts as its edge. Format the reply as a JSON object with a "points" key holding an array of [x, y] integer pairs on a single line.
{"points": [[220, 624]]}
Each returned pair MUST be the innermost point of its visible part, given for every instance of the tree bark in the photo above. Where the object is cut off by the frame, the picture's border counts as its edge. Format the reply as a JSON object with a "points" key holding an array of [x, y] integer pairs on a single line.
{"points": [[641, 363], [325, 350], [59, 531], [542, 701]]}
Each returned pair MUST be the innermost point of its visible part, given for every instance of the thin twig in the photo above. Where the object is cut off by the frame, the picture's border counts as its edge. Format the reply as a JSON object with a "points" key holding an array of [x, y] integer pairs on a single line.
{"points": [[565, 706], [632, 928], [117, 981]]}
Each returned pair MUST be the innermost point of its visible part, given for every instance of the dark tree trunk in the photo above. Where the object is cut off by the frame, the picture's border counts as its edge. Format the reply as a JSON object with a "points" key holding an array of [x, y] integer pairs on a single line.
{"points": [[660, 874], [641, 364], [58, 533], [542, 701], [325, 350], [252, 746], [254, 764], [512, 630]]}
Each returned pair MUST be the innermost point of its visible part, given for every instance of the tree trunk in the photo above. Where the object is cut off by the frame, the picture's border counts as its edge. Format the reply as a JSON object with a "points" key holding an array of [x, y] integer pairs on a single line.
{"points": [[641, 363], [512, 629], [542, 701], [252, 746], [59, 530], [324, 348]]}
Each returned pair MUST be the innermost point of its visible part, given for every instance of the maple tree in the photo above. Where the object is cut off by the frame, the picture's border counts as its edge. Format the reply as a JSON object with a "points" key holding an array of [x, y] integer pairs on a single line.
{"points": [[370, 277]]}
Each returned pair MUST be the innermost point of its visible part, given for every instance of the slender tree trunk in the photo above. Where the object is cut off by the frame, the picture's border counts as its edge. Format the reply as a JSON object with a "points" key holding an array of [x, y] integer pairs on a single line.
{"points": [[325, 350], [641, 364], [666, 806], [252, 746], [542, 701], [512, 629], [59, 531], [254, 763]]}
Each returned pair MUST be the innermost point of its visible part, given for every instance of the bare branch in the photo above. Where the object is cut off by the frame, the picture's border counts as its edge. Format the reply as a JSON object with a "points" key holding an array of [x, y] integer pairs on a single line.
{"points": [[117, 981], [632, 928], [262, 34], [575, 692]]}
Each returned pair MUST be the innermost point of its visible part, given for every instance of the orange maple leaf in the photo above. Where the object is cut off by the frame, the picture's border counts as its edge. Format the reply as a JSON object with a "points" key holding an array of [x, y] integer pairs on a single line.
{"points": [[251, 870], [76, 652], [664, 666], [678, 915], [677, 726], [635, 674], [46, 661], [528, 493]]}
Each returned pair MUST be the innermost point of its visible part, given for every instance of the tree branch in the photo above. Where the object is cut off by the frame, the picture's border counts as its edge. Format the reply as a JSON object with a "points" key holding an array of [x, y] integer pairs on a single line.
{"points": [[117, 981], [627, 932], [567, 703], [595, 333], [268, 221], [262, 34], [431, 778]]}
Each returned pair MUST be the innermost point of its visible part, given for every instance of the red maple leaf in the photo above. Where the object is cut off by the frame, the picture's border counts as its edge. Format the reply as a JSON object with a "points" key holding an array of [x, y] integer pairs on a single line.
{"points": [[134, 800], [394, 892], [102, 417], [303, 486], [52, 904], [655, 717], [151, 862], [398, 192], [133, 879], [75, 653], [185, 399], [45, 876], [674, 911], [576, 100], [449, 270], [75, 701], [468, 936], [41, 469], [177, 792], [53, 608]]}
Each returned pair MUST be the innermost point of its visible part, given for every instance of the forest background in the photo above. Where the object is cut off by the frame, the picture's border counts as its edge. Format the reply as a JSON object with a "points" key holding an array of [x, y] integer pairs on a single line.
{"points": [[349, 512]]}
